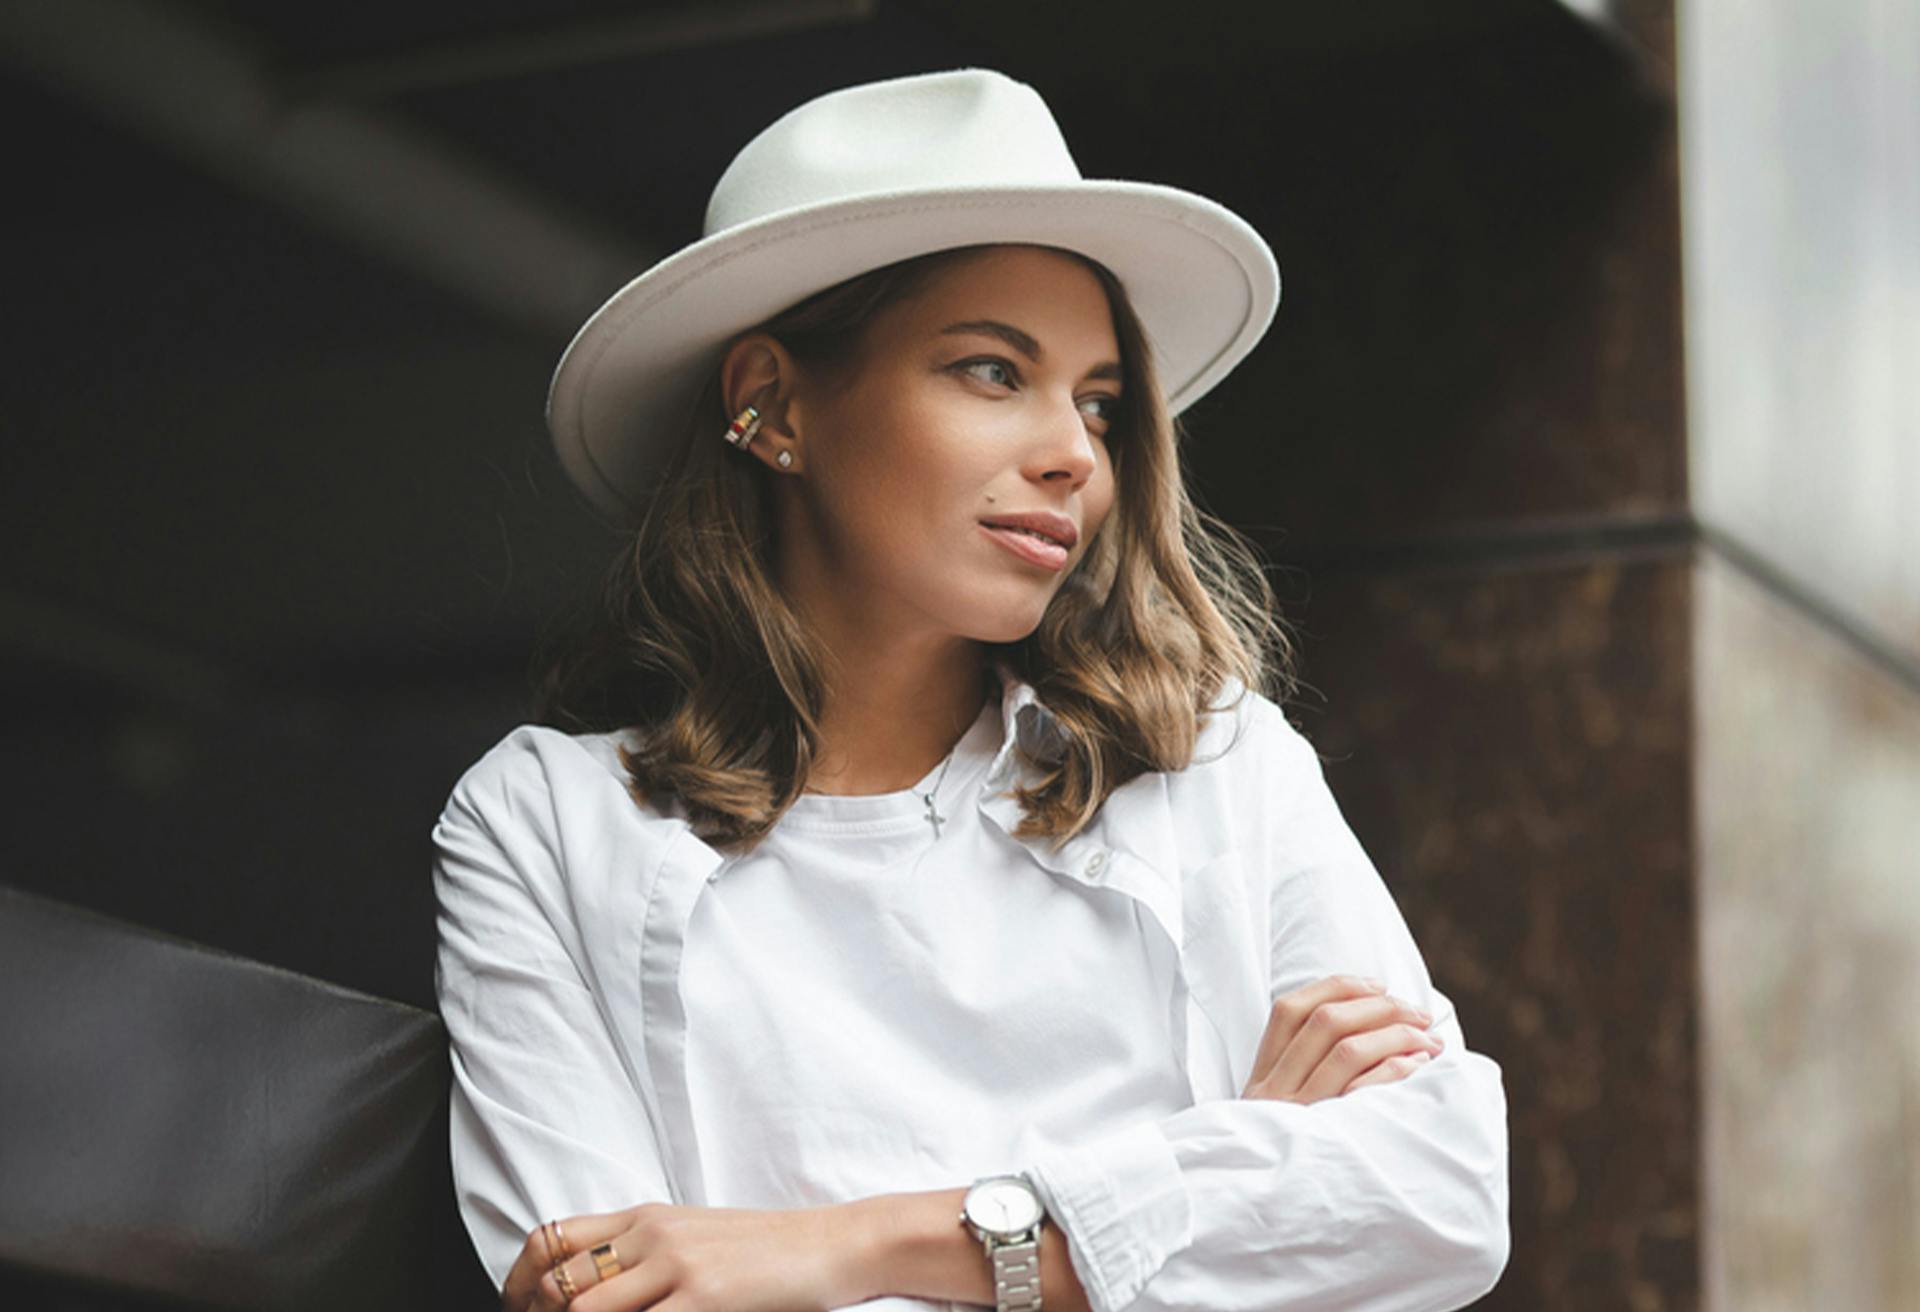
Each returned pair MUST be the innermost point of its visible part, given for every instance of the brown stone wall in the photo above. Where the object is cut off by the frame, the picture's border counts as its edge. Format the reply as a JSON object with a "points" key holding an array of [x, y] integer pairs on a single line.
{"points": [[1513, 745], [1465, 443]]}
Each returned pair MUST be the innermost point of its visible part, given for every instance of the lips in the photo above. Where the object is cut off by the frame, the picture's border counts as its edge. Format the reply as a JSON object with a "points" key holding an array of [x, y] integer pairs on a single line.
{"points": [[1029, 547], [1040, 537], [1048, 525]]}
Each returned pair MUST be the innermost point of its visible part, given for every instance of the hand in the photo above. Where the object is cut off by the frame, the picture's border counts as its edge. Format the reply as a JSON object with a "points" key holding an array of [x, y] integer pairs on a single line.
{"points": [[696, 1259], [1333, 1037]]}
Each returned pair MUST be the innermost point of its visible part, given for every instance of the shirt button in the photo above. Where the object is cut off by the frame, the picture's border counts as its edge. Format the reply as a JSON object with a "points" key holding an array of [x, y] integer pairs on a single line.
{"points": [[1097, 862]]}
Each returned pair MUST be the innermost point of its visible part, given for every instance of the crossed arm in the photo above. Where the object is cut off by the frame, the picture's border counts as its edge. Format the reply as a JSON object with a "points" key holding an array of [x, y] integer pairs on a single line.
{"points": [[1321, 1041]]}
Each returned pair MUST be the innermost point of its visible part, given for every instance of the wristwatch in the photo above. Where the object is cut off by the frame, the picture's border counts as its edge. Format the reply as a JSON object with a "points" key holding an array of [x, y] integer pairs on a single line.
{"points": [[1005, 1215]]}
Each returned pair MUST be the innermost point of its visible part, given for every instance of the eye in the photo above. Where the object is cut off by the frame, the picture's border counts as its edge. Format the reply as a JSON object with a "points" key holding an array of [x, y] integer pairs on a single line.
{"points": [[1106, 405], [1012, 378]]}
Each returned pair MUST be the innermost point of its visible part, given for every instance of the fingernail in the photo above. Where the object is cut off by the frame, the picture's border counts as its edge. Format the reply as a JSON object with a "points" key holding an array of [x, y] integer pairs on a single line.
{"points": [[1377, 985], [1426, 1017], [1421, 1056]]}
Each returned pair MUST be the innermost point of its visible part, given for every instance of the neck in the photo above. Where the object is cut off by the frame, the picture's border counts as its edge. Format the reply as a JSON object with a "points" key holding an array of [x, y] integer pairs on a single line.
{"points": [[900, 688], [893, 714]]}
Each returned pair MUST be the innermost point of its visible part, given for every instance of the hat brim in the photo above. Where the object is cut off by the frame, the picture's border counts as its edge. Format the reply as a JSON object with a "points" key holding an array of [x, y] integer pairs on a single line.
{"points": [[1203, 281]]}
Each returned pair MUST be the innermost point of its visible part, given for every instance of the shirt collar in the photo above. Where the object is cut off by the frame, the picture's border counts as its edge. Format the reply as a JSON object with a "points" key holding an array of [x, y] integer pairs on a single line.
{"points": [[1129, 846], [1025, 721]]}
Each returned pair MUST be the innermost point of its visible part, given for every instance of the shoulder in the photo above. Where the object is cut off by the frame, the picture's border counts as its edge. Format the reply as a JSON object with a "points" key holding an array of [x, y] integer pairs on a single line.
{"points": [[534, 756], [544, 819], [1244, 732], [541, 777], [1249, 767]]}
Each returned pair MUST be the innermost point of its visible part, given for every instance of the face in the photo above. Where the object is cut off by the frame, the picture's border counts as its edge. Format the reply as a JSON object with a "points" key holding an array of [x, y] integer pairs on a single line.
{"points": [[960, 473]]}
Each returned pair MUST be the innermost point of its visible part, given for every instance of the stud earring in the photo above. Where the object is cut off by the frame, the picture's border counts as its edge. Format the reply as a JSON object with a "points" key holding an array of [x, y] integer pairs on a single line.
{"points": [[786, 459]]}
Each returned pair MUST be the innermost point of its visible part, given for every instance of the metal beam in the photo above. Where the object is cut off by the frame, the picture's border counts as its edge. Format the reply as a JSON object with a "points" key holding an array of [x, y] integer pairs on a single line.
{"points": [[569, 45], [203, 93]]}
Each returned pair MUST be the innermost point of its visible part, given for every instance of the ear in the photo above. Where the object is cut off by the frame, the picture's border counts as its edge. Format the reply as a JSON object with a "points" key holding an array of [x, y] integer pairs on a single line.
{"points": [[758, 371]]}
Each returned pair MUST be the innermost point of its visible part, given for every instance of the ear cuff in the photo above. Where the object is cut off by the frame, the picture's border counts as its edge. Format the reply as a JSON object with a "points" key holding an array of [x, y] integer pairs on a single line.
{"points": [[745, 424]]}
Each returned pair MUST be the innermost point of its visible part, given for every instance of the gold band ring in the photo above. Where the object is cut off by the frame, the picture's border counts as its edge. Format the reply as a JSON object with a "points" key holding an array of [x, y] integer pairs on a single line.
{"points": [[557, 1243], [606, 1262], [564, 1278]]}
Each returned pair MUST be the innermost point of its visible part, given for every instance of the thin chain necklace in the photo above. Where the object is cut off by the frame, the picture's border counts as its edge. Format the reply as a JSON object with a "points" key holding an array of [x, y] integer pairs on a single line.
{"points": [[934, 817]]}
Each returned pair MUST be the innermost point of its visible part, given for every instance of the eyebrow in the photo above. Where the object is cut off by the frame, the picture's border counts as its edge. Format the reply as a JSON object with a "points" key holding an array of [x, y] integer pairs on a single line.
{"points": [[1024, 343]]}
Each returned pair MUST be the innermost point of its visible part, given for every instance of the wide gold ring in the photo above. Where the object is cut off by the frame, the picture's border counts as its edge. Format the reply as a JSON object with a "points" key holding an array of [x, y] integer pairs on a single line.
{"points": [[606, 1262], [564, 1278]]}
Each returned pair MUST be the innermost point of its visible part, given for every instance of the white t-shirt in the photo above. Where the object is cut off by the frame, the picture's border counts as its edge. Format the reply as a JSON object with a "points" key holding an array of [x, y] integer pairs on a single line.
{"points": [[897, 1011]]}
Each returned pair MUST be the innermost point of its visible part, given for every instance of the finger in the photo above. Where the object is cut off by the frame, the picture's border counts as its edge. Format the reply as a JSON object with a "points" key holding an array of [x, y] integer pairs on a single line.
{"points": [[538, 1255], [555, 1293], [1387, 1071], [516, 1292], [1357, 1052], [1291, 1009], [575, 1232], [641, 1286], [1332, 1023], [596, 1265], [535, 1256]]}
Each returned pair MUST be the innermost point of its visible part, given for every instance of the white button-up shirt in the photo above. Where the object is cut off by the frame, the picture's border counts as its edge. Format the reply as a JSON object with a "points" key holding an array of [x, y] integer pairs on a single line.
{"points": [[855, 1007]]}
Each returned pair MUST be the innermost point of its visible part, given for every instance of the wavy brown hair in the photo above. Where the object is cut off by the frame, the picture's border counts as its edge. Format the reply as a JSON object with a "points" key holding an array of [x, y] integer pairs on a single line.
{"points": [[693, 646]]}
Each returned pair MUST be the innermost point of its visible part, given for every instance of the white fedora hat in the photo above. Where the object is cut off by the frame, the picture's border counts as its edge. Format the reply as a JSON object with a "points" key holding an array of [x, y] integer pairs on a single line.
{"points": [[865, 176]]}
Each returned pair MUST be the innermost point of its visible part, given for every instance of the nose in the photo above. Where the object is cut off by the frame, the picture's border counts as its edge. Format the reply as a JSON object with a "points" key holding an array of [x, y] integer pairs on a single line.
{"points": [[1063, 451]]}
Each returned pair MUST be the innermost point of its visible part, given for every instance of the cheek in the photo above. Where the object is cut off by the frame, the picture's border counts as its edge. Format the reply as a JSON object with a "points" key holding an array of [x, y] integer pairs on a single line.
{"points": [[869, 514], [910, 476], [890, 509]]}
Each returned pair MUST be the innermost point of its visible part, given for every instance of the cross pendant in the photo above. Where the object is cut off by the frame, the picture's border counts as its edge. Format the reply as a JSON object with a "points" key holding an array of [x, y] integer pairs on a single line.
{"points": [[933, 817]]}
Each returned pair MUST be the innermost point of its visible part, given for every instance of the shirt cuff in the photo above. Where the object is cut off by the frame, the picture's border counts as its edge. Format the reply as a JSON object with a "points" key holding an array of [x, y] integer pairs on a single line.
{"points": [[1122, 1204]]}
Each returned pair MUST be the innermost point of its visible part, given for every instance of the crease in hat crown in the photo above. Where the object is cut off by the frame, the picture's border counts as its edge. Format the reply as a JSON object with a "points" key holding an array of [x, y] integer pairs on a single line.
{"points": [[969, 127]]}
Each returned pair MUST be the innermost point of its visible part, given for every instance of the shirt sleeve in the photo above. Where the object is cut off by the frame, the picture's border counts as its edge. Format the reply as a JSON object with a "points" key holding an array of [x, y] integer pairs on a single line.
{"points": [[1392, 1198], [546, 1120]]}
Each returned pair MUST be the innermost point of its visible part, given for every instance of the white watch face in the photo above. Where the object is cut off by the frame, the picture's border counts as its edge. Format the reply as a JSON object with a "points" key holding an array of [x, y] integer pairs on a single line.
{"points": [[1002, 1206]]}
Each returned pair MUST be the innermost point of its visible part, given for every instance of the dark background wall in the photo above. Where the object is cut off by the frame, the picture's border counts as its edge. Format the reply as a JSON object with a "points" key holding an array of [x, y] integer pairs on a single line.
{"points": [[281, 522]]}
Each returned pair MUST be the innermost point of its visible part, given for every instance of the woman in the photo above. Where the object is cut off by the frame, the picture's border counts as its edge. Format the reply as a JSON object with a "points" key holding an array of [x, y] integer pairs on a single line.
{"points": [[919, 898]]}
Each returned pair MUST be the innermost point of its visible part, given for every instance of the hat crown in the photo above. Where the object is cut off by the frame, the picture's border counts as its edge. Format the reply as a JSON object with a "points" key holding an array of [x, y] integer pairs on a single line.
{"points": [[964, 128]]}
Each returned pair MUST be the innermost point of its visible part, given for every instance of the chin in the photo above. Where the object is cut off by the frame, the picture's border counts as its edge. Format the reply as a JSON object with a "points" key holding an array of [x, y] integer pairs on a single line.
{"points": [[1009, 626], [1000, 614]]}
